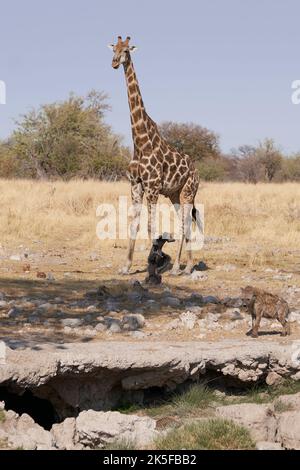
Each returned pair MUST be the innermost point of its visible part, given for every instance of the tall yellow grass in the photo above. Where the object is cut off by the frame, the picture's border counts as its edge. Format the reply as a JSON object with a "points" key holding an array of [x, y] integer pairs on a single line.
{"points": [[64, 213]]}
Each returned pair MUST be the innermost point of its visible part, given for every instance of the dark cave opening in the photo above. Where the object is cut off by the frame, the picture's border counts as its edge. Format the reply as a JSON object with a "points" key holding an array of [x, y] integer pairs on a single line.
{"points": [[40, 410]]}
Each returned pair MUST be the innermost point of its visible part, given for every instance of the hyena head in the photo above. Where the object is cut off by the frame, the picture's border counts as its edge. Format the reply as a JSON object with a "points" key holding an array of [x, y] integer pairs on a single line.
{"points": [[247, 294]]}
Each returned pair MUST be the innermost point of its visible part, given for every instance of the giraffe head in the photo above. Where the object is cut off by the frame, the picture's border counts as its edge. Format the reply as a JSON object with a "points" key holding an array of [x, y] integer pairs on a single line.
{"points": [[121, 52]]}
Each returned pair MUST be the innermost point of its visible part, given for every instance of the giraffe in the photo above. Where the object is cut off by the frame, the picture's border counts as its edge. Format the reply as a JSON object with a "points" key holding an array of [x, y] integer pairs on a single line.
{"points": [[156, 168]]}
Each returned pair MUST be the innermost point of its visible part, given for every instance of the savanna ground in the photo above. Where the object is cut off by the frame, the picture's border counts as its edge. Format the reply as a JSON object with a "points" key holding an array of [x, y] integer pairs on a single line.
{"points": [[252, 237]]}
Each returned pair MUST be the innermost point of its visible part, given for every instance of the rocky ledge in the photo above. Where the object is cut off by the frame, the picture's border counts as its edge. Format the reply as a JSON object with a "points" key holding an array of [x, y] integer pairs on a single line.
{"points": [[78, 377]]}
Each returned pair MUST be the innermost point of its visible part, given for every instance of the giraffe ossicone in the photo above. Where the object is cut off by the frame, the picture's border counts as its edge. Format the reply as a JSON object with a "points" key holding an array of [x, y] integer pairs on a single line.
{"points": [[156, 168]]}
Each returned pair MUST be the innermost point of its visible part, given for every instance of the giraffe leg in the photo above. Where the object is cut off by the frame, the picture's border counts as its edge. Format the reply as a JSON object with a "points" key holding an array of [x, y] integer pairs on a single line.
{"points": [[137, 194], [176, 266], [152, 198]]}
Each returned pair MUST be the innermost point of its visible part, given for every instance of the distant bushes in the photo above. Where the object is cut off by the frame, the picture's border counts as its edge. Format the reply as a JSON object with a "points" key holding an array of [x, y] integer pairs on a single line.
{"points": [[70, 139], [65, 140]]}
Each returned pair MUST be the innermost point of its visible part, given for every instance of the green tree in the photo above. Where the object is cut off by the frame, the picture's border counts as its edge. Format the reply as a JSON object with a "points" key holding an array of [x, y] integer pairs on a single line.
{"points": [[191, 139], [70, 139]]}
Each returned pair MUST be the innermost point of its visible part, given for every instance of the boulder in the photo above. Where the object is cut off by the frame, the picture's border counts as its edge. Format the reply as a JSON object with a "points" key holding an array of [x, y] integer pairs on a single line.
{"points": [[273, 378], [288, 432], [290, 401], [21, 432], [259, 419], [64, 435], [133, 322], [96, 429]]}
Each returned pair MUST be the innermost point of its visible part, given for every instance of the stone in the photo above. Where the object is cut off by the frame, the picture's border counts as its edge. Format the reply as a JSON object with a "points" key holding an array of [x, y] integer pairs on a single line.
{"points": [[233, 314], [96, 429], [50, 277], [212, 317], [64, 435], [210, 299], [3, 303], [273, 379], [71, 322], [171, 302], [290, 401], [21, 432], [201, 266], [188, 320], [233, 302], [101, 327], [133, 322], [265, 445], [137, 334], [259, 419], [73, 372], [198, 276], [14, 312], [288, 431], [115, 328]]}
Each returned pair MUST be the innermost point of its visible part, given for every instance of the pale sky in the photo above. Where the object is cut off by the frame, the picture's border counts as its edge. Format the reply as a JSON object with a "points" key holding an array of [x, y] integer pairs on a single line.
{"points": [[224, 64]]}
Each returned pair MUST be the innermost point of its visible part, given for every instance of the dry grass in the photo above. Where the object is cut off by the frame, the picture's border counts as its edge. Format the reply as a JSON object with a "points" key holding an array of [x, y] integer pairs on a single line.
{"points": [[265, 213]]}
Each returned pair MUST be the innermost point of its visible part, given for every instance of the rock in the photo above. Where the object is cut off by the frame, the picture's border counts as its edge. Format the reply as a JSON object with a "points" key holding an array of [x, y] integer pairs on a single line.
{"points": [[50, 277], [91, 308], [71, 322], [290, 401], [233, 302], [68, 376], [198, 276], [3, 303], [101, 327], [88, 332], [96, 429], [2, 405], [259, 419], [265, 445], [115, 328], [138, 334], [288, 431], [64, 435], [273, 379], [21, 432], [233, 314], [171, 302], [14, 312], [45, 307], [212, 317], [201, 266], [195, 300], [294, 317], [133, 322], [188, 320], [210, 299]]}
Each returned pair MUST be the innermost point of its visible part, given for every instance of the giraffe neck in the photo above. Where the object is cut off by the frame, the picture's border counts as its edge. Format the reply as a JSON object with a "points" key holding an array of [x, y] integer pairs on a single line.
{"points": [[141, 124]]}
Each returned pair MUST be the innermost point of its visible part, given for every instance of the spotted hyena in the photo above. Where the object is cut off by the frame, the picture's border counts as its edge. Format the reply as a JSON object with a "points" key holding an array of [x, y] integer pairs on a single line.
{"points": [[263, 304]]}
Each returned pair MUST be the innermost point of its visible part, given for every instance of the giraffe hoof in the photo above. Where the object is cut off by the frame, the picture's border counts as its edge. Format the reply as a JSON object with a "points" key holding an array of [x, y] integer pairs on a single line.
{"points": [[175, 272], [187, 271]]}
